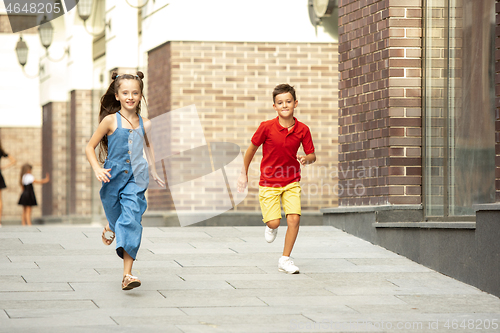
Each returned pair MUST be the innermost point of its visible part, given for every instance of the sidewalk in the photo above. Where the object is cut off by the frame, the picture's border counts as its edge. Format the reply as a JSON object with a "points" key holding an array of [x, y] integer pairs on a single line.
{"points": [[225, 279]]}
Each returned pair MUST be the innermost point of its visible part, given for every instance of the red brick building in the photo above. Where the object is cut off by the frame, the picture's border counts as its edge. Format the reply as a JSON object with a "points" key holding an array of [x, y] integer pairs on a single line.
{"points": [[418, 109]]}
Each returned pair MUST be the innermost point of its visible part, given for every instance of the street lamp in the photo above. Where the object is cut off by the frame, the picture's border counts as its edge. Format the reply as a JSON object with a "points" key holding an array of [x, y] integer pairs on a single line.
{"points": [[22, 57], [46, 32], [22, 52], [84, 9], [140, 6]]}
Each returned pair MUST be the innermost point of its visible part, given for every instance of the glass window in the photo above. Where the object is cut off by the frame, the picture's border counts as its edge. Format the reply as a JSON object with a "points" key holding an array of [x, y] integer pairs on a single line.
{"points": [[459, 106]]}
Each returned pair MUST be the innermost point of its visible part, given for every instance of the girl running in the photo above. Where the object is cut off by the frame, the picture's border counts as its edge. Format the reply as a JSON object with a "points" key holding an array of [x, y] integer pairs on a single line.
{"points": [[122, 138]]}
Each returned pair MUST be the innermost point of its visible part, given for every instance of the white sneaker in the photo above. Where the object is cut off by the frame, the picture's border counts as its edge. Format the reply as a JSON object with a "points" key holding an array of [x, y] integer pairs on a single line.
{"points": [[270, 234], [286, 265]]}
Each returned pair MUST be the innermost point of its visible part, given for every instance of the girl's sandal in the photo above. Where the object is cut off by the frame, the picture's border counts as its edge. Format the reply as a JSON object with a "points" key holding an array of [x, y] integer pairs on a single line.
{"points": [[108, 236], [130, 282]]}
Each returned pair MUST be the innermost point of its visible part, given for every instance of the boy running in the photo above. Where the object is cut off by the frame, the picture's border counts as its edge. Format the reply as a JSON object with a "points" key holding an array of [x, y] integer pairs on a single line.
{"points": [[280, 170]]}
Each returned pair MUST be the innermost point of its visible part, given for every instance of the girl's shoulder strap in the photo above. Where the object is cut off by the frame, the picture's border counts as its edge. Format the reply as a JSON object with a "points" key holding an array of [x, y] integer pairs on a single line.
{"points": [[118, 119], [142, 125]]}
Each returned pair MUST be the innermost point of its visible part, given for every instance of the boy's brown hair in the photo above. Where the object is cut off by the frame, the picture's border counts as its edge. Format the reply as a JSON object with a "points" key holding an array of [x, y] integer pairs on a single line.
{"points": [[283, 88]]}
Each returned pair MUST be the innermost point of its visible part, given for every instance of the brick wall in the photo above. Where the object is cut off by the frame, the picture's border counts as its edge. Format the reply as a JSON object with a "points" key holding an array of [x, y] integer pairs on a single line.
{"points": [[20, 21], [380, 101], [24, 144], [159, 102], [231, 85], [55, 159], [80, 175]]}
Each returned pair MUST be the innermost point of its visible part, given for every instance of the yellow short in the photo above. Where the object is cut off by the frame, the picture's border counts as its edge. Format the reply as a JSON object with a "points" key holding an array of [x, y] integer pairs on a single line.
{"points": [[269, 198]]}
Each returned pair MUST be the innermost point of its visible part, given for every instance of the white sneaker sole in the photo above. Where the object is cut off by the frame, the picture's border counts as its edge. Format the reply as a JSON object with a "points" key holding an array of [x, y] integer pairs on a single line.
{"points": [[294, 272]]}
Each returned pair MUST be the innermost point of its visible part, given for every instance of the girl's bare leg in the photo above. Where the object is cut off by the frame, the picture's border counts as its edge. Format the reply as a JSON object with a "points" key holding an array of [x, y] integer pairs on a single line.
{"points": [[127, 263], [293, 221], [1, 207], [129, 281], [23, 216], [28, 215]]}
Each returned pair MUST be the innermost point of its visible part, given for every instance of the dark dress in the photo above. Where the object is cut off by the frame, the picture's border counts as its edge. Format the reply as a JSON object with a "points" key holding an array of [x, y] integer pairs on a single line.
{"points": [[28, 196], [2, 181]]}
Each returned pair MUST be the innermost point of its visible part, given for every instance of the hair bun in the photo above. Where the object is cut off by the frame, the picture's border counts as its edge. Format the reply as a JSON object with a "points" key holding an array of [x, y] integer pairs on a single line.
{"points": [[140, 75], [114, 75]]}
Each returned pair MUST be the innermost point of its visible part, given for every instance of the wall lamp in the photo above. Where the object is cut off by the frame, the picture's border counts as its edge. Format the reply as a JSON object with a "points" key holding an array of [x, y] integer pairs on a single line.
{"points": [[138, 7], [85, 10], [46, 34]]}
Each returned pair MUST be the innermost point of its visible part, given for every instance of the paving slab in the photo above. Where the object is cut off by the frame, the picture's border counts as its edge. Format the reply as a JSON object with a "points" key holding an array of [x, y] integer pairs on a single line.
{"points": [[225, 279]]}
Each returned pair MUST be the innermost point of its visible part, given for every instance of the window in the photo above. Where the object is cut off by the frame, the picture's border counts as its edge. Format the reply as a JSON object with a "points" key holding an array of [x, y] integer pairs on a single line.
{"points": [[459, 107]]}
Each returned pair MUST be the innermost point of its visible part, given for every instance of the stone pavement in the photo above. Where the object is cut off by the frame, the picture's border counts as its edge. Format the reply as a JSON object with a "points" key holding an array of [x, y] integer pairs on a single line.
{"points": [[225, 279]]}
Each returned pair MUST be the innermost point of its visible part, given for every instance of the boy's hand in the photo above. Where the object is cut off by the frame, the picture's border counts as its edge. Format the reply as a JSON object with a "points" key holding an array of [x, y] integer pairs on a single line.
{"points": [[301, 159], [103, 175], [157, 179], [242, 182]]}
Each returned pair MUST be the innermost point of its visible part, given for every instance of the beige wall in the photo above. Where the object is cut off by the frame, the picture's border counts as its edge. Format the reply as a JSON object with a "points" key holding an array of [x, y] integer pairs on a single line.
{"points": [[25, 145], [231, 84]]}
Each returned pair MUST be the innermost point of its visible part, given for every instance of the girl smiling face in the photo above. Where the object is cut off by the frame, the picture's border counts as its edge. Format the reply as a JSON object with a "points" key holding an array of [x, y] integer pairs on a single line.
{"points": [[129, 95]]}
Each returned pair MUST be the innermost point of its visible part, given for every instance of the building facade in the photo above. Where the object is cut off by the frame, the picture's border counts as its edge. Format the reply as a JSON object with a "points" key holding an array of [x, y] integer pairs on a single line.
{"points": [[20, 116], [224, 63], [418, 107], [401, 97]]}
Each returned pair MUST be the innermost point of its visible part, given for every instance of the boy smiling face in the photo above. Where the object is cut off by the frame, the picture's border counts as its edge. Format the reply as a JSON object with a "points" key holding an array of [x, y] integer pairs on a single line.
{"points": [[284, 104]]}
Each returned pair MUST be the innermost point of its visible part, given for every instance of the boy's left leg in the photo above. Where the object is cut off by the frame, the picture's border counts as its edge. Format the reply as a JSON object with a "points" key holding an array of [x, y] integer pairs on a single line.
{"points": [[292, 206], [293, 222]]}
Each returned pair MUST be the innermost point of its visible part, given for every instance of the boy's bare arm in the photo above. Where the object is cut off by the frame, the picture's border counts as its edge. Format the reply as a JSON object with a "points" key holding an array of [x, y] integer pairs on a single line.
{"points": [[308, 159], [243, 179], [247, 159]]}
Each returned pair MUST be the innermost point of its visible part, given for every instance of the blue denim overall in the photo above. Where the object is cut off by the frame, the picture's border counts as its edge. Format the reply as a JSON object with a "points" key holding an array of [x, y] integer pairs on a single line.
{"points": [[123, 197]]}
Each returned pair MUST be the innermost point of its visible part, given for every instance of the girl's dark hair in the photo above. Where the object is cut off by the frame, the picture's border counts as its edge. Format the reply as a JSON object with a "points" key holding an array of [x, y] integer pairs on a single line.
{"points": [[24, 170], [109, 105]]}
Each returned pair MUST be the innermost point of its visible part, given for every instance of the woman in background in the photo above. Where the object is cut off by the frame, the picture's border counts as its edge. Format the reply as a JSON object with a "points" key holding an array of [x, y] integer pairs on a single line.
{"points": [[12, 161]]}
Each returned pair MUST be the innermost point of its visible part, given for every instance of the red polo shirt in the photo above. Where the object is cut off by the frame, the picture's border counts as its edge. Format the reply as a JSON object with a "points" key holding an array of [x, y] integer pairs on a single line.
{"points": [[279, 166]]}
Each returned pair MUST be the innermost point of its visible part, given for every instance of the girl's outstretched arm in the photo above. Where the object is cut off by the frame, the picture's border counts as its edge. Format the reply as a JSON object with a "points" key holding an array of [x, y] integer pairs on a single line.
{"points": [[12, 161], [104, 127], [44, 180], [150, 154]]}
